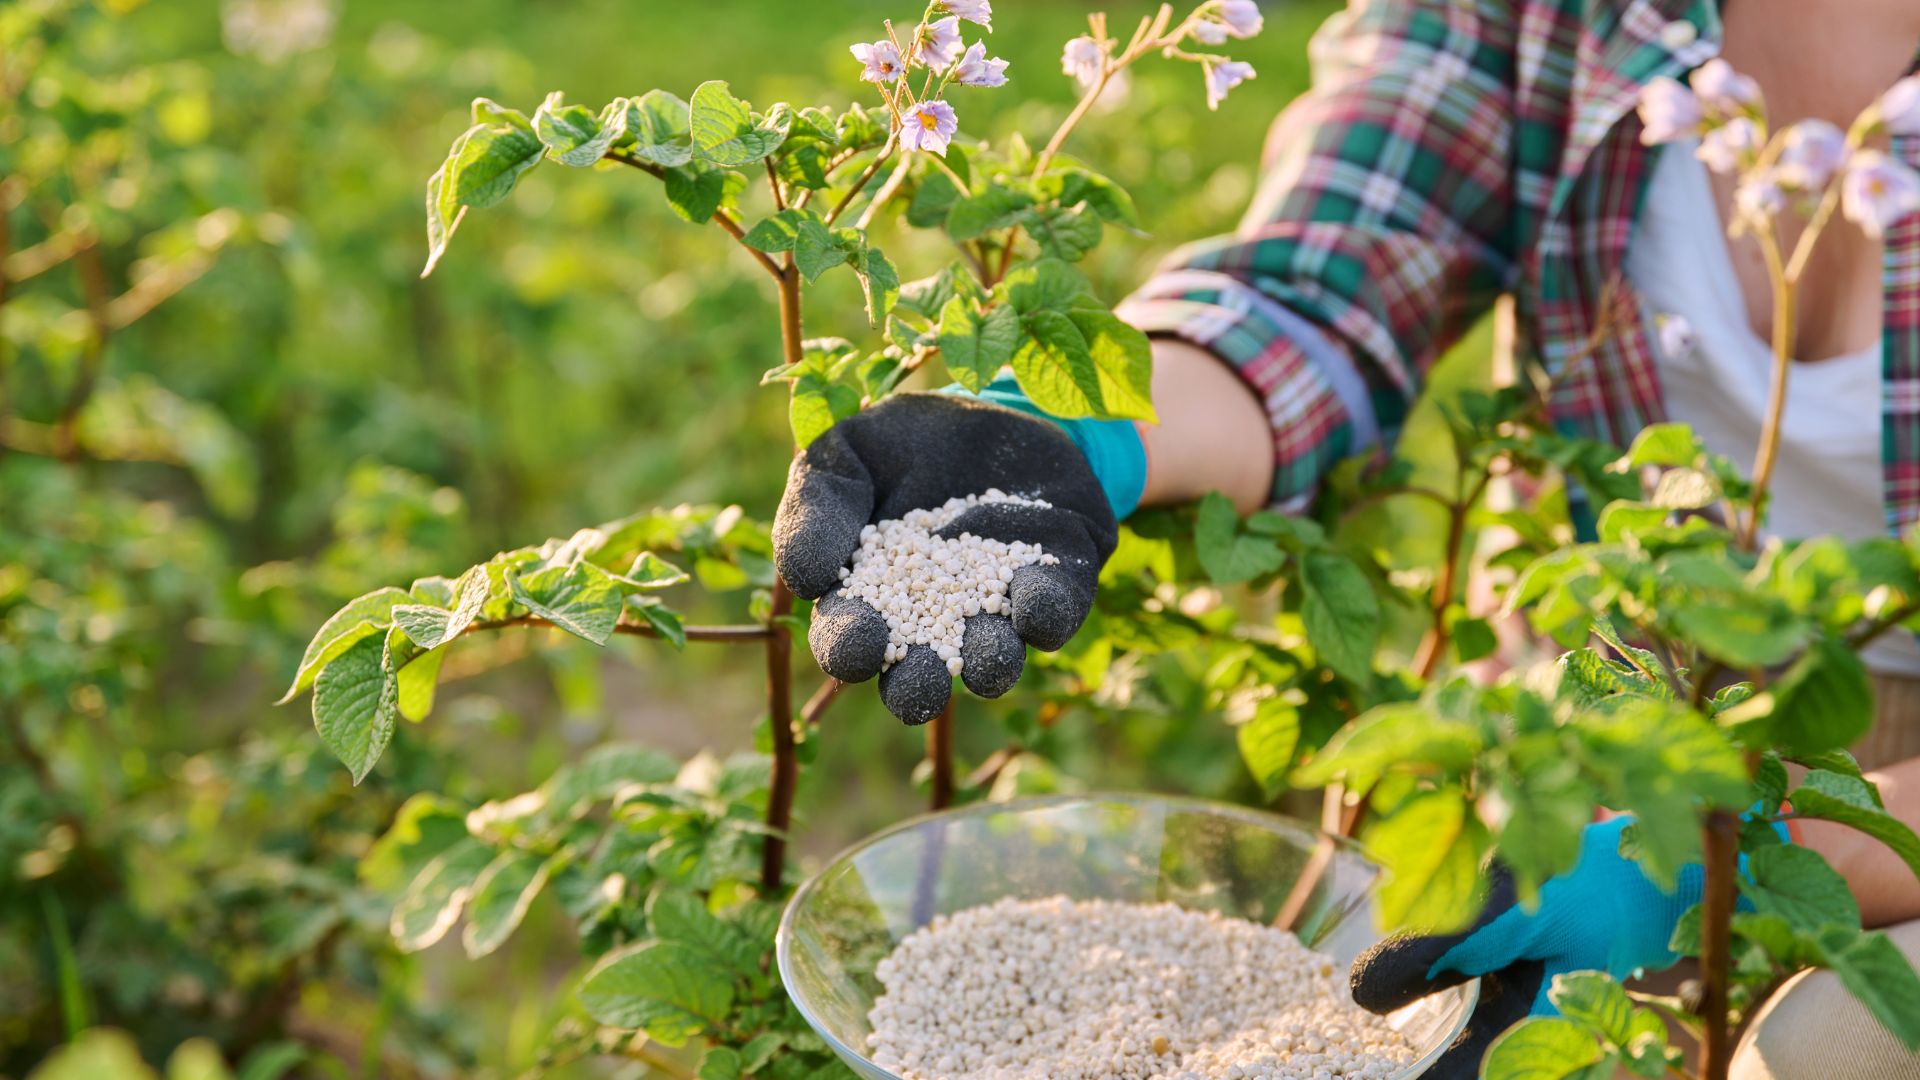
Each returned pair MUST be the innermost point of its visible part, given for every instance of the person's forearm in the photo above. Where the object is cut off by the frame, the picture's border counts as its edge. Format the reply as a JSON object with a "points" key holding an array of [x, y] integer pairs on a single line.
{"points": [[1881, 882], [1213, 434]]}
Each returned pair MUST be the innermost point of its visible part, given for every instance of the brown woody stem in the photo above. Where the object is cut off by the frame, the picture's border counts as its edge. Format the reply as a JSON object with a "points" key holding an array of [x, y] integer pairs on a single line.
{"points": [[940, 757], [1722, 851]]}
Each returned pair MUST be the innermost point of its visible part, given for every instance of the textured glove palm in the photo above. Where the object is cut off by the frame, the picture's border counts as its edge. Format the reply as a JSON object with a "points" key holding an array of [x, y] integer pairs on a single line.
{"points": [[1603, 915], [918, 450]]}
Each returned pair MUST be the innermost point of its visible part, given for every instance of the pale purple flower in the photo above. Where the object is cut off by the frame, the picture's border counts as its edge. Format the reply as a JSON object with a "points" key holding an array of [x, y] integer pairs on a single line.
{"points": [[976, 70], [1668, 111], [1878, 191], [929, 126], [1722, 89], [1223, 77], [1809, 155], [1759, 197], [940, 43], [974, 11], [1209, 32], [880, 61], [1242, 17], [1084, 59], [1677, 339], [1730, 146], [1900, 107]]}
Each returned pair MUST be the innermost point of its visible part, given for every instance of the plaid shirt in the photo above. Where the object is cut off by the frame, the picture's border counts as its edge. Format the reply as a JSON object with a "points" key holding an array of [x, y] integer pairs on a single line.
{"points": [[1454, 150]]}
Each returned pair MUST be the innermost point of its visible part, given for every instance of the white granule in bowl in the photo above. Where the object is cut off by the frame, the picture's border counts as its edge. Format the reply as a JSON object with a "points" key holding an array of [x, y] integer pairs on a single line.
{"points": [[1058, 989], [926, 586]]}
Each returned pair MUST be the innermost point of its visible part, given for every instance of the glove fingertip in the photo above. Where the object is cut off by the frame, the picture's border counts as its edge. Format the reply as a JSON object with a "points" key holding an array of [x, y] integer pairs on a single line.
{"points": [[848, 637], [992, 655], [1048, 606], [917, 688]]}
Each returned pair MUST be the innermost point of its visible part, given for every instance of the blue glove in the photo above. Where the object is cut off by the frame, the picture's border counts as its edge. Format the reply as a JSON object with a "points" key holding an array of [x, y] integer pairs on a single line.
{"points": [[1603, 915], [1113, 447]]}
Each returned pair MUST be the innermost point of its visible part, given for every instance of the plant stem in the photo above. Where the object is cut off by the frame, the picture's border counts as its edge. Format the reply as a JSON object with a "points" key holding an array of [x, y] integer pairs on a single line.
{"points": [[720, 217], [1783, 299], [773, 184], [1883, 624], [1722, 851], [860, 183], [818, 704], [786, 761], [940, 757], [1433, 645]]}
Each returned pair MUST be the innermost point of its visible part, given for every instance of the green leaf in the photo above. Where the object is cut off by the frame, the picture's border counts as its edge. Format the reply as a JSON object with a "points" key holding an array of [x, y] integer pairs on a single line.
{"points": [[418, 679], [580, 599], [1227, 553], [650, 571], [1046, 285], [1063, 233], [976, 345], [1402, 733], [434, 591], [1879, 976], [1823, 702], [1473, 639], [501, 895], [681, 916], [362, 617], [1086, 363], [998, 207], [697, 191], [720, 1063], [425, 826], [725, 132], [1853, 802], [657, 121], [1744, 631], [574, 135], [1341, 613], [662, 619], [355, 702], [1430, 848], [1593, 999], [492, 113], [1104, 197], [816, 405], [668, 989], [932, 200], [1664, 445], [424, 625], [1796, 884], [879, 284], [1546, 1048], [481, 169], [433, 901], [1268, 740], [778, 233], [818, 249]]}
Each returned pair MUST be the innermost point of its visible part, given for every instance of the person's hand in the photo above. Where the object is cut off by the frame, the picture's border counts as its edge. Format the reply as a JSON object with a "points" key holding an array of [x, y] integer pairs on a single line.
{"points": [[1603, 915], [915, 451]]}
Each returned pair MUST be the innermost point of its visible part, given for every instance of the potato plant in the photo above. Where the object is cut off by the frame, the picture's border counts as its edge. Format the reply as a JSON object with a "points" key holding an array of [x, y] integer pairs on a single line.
{"points": [[673, 872]]}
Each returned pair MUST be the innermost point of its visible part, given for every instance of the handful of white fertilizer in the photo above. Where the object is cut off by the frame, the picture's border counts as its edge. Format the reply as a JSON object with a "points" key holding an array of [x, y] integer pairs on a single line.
{"points": [[926, 586], [1099, 990]]}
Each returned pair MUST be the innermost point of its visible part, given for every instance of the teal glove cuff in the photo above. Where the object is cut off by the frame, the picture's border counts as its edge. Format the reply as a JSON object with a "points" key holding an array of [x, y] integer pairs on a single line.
{"points": [[1113, 448]]}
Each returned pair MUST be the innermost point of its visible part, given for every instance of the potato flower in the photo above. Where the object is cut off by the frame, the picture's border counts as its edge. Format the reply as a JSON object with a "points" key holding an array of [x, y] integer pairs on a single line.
{"points": [[880, 61], [1878, 191], [976, 70], [929, 126], [1669, 112], [1223, 77]]}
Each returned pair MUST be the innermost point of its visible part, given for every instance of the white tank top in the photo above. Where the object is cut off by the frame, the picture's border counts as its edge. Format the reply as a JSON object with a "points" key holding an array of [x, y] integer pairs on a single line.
{"points": [[1827, 478]]}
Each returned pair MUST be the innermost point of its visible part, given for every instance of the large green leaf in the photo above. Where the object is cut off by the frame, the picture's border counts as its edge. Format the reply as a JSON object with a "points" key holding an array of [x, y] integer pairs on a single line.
{"points": [[1267, 741], [1546, 1048], [433, 901], [879, 284], [1403, 733], [1063, 233], [1796, 884], [481, 169], [725, 132], [1879, 976], [1229, 553], [355, 704], [669, 989], [681, 916], [816, 405], [1430, 848], [580, 599], [417, 681], [1850, 801], [574, 135], [998, 207], [501, 895], [976, 345], [696, 191], [1823, 702], [658, 121], [1085, 363], [362, 617], [1341, 613]]}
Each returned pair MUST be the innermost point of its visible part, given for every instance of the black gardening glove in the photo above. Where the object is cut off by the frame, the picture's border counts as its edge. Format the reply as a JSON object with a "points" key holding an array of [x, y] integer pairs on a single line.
{"points": [[916, 451], [1393, 974]]}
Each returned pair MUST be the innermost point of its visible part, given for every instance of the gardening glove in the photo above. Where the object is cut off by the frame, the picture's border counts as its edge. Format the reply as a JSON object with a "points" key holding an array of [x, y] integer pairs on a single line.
{"points": [[1603, 915], [918, 450]]}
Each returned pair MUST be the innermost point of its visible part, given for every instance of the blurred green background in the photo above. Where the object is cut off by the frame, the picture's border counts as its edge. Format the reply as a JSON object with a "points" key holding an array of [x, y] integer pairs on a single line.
{"points": [[228, 403]]}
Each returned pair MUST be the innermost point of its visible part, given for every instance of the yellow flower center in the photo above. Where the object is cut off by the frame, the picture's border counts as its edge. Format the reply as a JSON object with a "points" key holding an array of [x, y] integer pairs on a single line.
{"points": [[929, 121]]}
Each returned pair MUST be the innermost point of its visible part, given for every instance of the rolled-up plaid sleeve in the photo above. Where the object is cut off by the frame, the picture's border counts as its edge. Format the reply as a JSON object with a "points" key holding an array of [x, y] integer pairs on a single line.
{"points": [[1382, 231]]}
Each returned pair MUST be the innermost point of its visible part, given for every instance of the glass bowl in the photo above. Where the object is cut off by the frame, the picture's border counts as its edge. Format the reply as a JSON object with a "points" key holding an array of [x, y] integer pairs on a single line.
{"points": [[1140, 848]]}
